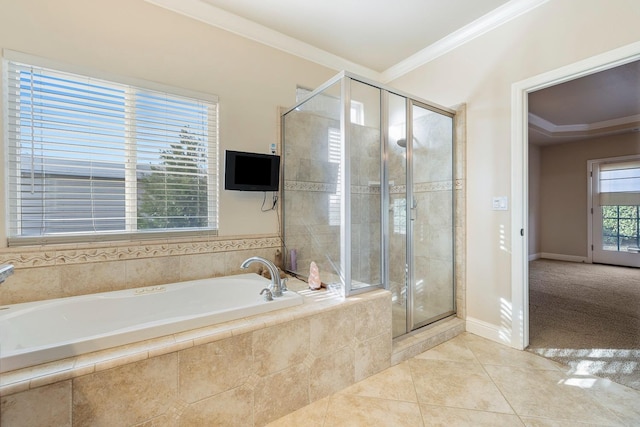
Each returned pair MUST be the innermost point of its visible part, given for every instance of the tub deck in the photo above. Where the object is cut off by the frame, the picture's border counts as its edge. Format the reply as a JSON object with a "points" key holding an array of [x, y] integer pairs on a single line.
{"points": [[45, 331]]}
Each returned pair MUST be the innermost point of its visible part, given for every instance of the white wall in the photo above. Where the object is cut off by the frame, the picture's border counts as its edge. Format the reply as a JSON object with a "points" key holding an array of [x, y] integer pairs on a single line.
{"points": [[133, 38], [481, 73]]}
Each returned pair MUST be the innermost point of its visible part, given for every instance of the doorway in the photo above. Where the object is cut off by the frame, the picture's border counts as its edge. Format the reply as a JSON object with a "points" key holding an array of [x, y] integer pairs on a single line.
{"points": [[614, 210], [520, 170]]}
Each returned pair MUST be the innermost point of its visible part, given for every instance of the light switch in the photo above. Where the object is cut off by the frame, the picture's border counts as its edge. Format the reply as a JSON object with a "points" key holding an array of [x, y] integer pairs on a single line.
{"points": [[500, 203]]}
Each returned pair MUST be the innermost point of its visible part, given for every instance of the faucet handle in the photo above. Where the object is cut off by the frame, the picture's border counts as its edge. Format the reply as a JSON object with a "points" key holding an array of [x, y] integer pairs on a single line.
{"points": [[283, 285], [268, 296]]}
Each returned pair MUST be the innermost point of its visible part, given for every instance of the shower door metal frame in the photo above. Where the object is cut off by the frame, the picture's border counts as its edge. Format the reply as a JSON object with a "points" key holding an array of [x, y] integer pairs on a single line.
{"points": [[384, 186], [411, 213], [345, 172]]}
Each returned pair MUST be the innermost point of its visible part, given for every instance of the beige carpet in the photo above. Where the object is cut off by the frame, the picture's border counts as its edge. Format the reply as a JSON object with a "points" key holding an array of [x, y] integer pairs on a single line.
{"points": [[587, 316]]}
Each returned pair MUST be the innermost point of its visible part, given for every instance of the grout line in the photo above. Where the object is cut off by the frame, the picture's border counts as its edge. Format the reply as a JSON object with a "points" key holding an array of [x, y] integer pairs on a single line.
{"points": [[482, 365]]}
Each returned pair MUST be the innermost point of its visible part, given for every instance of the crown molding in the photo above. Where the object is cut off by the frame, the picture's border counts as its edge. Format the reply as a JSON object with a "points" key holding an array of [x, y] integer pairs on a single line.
{"points": [[551, 128], [583, 130], [204, 12], [480, 26]]}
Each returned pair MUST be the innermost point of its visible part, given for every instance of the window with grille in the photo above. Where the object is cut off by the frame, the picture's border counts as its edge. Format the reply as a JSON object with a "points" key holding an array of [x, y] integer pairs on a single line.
{"points": [[619, 198], [91, 159]]}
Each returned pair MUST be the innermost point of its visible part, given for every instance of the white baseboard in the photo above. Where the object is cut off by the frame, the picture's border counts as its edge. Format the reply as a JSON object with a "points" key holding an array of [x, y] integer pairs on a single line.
{"points": [[533, 257], [490, 331], [561, 257]]}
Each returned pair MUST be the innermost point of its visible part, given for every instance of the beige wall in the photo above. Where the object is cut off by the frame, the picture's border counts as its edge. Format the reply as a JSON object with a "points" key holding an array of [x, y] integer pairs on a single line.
{"points": [[563, 190], [534, 200], [481, 73], [133, 38]]}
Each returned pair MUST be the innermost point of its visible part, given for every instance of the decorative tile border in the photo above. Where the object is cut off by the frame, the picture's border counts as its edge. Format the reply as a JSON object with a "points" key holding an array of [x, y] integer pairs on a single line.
{"points": [[319, 187], [373, 189], [30, 257]]}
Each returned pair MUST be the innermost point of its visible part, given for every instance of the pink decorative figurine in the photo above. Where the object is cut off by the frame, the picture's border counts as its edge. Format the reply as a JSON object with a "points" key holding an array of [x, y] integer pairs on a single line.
{"points": [[314, 277]]}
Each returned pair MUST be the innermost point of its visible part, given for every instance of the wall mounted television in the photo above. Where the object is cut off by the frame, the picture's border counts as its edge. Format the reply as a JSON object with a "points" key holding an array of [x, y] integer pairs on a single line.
{"points": [[251, 171]]}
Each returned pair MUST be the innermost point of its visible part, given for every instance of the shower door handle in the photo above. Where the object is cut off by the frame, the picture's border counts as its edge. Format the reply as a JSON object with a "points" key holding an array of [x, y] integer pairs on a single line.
{"points": [[413, 210]]}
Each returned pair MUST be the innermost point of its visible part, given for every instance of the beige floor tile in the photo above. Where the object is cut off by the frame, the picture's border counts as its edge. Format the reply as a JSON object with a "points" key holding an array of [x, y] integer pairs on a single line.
{"points": [[359, 411], [312, 415], [394, 383], [456, 384], [546, 422], [492, 353], [471, 381], [454, 350], [441, 416], [623, 401], [548, 394]]}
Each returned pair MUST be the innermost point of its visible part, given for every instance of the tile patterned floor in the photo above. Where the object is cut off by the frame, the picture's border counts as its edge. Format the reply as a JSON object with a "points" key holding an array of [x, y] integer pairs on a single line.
{"points": [[471, 381]]}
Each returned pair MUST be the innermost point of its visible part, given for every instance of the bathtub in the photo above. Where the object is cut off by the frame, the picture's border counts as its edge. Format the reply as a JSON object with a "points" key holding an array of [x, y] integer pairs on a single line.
{"points": [[43, 331]]}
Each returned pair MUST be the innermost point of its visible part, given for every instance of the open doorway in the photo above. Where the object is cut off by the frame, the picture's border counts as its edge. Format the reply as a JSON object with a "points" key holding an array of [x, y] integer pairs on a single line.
{"points": [[574, 311], [614, 207]]}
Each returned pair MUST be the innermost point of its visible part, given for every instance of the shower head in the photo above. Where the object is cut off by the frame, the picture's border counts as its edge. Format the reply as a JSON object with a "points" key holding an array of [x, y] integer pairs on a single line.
{"points": [[402, 142]]}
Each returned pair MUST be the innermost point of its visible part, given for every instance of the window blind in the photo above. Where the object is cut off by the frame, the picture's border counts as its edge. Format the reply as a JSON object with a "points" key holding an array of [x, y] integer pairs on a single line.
{"points": [[620, 183], [90, 159], [334, 155]]}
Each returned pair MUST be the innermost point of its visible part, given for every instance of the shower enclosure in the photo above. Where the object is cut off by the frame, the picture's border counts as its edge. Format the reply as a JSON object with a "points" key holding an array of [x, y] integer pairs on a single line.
{"points": [[368, 195]]}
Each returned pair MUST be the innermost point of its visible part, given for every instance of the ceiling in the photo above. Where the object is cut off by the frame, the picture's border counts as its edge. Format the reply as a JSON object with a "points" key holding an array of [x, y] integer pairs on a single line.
{"points": [[603, 103], [379, 39], [383, 40]]}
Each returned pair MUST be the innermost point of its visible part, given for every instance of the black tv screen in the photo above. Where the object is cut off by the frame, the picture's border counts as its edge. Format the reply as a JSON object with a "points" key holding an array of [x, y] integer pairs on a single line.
{"points": [[251, 171]]}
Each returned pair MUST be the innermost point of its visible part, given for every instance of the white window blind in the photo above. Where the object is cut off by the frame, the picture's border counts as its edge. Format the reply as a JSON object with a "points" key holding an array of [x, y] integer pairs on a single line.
{"points": [[620, 183], [91, 159], [334, 155]]}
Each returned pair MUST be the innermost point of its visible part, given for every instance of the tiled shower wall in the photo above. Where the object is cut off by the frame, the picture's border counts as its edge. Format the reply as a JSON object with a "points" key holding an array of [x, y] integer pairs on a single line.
{"points": [[312, 198], [310, 180], [56, 271]]}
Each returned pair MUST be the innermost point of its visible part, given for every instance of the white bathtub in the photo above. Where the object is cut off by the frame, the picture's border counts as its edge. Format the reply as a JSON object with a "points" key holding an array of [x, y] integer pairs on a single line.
{"points": [[43, 331]]}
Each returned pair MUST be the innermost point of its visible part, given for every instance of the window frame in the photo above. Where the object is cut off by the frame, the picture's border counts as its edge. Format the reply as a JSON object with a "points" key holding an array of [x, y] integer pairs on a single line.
{"points": [[127, 234]]}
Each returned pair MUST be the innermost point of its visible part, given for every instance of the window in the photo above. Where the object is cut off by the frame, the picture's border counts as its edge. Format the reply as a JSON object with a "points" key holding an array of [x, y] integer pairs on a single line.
{"points": [[330, 106], [621, 228], [91, 159], [334, 157], [619, 189]]}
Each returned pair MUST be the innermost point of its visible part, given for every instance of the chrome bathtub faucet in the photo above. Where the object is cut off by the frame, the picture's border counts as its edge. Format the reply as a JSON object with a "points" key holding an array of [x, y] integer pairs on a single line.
{"points": [[6, 270], [268, 296], [276, 285]]}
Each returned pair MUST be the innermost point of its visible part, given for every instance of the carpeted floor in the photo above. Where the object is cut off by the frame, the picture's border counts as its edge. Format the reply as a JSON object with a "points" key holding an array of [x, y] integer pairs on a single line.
{"points": [[587, 316]]}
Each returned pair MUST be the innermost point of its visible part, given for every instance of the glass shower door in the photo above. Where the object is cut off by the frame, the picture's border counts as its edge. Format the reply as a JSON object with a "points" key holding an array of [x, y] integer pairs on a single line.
{"points": [[396, 154], [432, 295]]}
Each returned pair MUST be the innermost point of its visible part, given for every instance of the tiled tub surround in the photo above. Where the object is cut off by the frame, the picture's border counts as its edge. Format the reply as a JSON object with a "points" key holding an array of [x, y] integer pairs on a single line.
{"points": [[57, 271], [43, 331], [244, 372]]}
